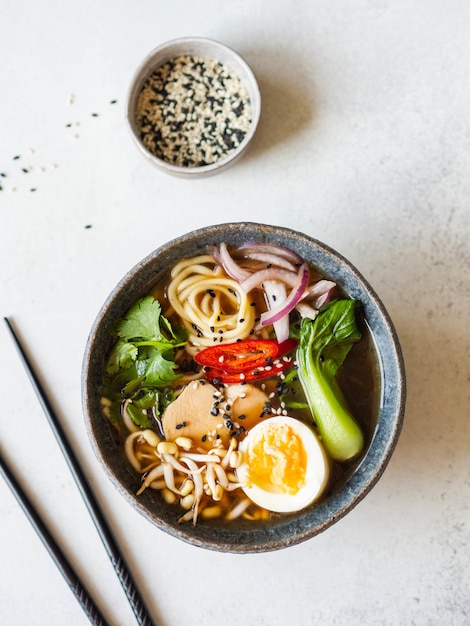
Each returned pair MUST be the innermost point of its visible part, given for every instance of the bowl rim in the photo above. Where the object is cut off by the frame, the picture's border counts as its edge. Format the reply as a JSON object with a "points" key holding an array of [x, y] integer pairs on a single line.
{"points": [[306, 524], [183, 45]]}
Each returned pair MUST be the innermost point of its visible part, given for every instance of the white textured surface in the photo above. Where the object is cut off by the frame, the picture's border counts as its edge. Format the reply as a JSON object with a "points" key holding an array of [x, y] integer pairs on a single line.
{"points": [[364, 143]]}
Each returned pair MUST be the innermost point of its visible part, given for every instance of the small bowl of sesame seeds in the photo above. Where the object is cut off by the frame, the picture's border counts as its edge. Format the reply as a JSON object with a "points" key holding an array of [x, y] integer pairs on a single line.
{"points": [[193, 106]]}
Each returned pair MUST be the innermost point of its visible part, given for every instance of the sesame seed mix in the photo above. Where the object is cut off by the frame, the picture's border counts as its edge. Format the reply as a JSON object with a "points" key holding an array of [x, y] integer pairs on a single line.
{"points": [[193, 111]]}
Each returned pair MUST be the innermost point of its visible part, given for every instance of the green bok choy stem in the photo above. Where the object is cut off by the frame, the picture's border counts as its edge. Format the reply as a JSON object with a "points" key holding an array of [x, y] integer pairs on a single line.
{"points": [[324, 344]]}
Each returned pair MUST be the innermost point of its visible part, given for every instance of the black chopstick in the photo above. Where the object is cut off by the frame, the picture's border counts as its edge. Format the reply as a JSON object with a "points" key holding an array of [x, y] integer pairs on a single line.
{"points": [[79, 590], [125, 577]]}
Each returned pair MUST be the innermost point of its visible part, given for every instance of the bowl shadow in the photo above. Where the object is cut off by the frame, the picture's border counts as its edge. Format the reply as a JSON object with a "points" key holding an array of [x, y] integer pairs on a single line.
{"points": [[285, 112]]}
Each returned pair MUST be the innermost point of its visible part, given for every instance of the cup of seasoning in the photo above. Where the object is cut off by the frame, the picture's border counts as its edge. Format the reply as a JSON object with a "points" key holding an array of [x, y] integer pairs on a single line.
{"points": [[193, 106]]}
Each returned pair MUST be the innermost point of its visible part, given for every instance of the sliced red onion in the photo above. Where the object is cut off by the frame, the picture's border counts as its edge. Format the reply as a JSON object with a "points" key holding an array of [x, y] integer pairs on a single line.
{"points": [[306, 310], [271, 259], [272, 249], [256, 279], [319, 288], [322, 290], [284, 308], [276, 294], [213, 251], [322, 300], [222, 256]]}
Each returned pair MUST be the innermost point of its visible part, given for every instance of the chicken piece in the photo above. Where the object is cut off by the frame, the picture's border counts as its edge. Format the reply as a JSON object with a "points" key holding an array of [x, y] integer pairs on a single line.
{"points": [[192, 415], [248, 401]]}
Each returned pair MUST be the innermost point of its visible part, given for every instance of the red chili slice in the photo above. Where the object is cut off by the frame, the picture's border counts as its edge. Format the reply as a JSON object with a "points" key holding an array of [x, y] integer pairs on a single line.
{"points": [[241, 356], [219, 376]]}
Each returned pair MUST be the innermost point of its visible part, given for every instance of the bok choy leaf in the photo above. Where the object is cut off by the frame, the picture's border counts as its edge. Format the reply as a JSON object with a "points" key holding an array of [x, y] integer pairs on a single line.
{"points": [[324, 344]]}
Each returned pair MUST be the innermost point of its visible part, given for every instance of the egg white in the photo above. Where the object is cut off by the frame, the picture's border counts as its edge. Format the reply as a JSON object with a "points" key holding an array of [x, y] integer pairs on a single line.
{"points": [[316, 475]]}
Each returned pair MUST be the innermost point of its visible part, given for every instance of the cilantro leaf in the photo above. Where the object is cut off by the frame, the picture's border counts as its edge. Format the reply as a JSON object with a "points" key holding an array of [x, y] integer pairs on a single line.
{"points": [[122, 355], [160, 371], [141, 366], [141, 321]]}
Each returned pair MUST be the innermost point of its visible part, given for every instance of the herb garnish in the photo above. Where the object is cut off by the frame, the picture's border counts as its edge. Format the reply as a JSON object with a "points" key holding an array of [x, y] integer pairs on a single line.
{"points": [[141, 366]]}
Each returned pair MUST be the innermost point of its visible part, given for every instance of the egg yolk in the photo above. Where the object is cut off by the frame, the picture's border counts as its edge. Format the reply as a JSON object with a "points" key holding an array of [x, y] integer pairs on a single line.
{"points": [[277, 460]]}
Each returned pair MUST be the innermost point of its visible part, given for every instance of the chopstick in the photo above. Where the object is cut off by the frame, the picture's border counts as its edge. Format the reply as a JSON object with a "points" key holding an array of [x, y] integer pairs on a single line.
{"points": [[79, 590], [117, 559]]}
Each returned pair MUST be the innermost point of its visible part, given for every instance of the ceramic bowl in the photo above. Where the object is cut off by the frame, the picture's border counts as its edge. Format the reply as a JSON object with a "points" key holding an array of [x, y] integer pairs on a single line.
{"points": [[206, 49], [284, 531]]}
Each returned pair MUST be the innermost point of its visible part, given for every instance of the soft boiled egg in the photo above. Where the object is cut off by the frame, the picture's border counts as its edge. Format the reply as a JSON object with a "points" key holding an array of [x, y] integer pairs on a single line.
{"points": [[284, 466]]}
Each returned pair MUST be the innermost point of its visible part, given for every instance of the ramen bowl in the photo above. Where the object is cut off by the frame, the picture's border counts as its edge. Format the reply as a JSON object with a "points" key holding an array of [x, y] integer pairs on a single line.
{"points": [[193, 107], [281, 531]]}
